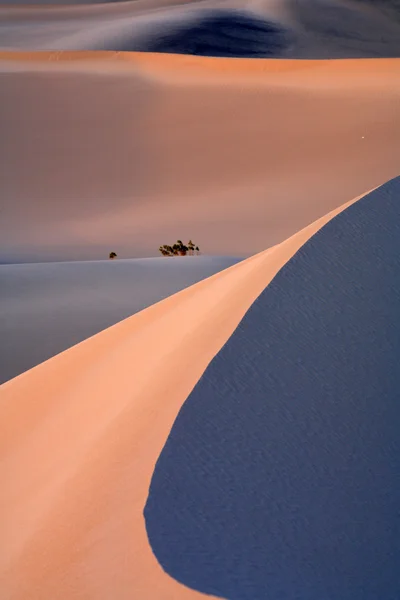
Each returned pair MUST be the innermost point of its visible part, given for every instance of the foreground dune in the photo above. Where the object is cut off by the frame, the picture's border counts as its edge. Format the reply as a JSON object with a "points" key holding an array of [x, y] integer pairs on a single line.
{"points": [[244, 152], [279, 478], [81, 433]]}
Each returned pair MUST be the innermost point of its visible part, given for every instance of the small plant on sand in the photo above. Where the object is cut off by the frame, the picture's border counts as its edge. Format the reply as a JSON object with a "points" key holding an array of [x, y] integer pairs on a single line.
{"points": [[191, 247], [179, 249], [166, 250], [113, 255]]}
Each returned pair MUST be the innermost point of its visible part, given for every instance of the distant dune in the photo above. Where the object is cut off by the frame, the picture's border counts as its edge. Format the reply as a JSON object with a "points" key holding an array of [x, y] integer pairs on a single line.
{"points": [[80, 434], [46, 308], [104, 149], [284, 28]]}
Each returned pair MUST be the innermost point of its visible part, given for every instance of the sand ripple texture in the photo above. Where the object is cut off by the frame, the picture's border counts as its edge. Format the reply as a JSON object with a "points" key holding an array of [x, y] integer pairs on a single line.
{"points": [[280, 476]]}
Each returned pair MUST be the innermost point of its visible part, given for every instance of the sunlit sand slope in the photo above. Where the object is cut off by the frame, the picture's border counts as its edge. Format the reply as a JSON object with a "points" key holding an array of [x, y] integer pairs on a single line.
{"points": [[48, 307], [279, 478], [81, 433]]}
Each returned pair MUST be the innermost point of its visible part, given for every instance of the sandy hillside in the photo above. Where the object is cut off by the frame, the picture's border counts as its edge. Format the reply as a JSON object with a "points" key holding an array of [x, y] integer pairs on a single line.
{"points": [[124, 125], [140, 147], [48, 307], [279, 477], [80, 435], [266, 28]]}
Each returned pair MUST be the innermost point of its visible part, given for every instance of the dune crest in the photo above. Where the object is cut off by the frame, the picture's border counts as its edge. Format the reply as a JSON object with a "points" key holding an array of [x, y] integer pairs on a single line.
{"points": [[80, 435], [279, 476], [307, 29], [83, 298]]}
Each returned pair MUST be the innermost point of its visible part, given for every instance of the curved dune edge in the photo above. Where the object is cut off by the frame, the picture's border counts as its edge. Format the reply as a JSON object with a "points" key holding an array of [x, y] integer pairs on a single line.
{"points": [[373, 74], [80, 435], [92, 7], [166, 65]]}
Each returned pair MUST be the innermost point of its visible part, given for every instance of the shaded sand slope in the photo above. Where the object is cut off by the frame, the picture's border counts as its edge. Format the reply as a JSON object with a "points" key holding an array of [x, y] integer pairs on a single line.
{"points": [[279, 478], [266, 28], [46, 308], [135, 147], [81, 433]]}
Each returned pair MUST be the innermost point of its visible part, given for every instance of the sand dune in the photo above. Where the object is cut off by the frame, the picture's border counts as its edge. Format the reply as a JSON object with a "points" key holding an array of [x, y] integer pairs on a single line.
{"points": [[104, 150], [279, 478], [266, 28], [46, 308], [118, 133], [81, 433]]}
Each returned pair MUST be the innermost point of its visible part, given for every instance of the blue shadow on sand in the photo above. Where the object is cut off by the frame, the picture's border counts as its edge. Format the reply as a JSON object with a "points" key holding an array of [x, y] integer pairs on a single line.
{"points": [[222, 33], [281, 475]]}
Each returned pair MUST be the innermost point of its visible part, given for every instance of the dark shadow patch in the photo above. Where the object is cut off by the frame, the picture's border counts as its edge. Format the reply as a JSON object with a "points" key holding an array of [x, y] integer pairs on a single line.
{"points": [[220, 34], [348, 30], [280, 477]]}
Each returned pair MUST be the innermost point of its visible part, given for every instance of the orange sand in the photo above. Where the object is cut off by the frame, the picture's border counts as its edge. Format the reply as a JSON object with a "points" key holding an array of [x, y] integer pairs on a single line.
{"points": [[80, 435]]}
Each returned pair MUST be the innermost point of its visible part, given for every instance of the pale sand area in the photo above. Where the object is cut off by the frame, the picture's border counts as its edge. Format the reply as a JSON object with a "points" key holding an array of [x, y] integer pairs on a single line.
{"points": [[123, 150], [46, 308], [81, 433]]}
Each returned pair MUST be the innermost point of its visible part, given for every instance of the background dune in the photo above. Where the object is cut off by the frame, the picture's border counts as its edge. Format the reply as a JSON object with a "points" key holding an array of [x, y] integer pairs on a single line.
{"points": [[126, 150], [284, 28], [46, 308], [74, 524]]}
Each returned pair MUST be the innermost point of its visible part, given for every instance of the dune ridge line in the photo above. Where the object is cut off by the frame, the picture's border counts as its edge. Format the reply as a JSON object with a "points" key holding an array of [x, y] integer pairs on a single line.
{"points": [[81, 433]]}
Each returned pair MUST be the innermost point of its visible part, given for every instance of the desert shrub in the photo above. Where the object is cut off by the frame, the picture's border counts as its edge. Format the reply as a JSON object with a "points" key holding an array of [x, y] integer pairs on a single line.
{"points": [[179, 249]]}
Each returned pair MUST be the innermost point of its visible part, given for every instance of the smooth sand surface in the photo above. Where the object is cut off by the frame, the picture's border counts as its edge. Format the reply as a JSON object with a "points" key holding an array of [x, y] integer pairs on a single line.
{"points": [[279, 478], [276, 28], [105, 149], [48, 307], [81, 433]]}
